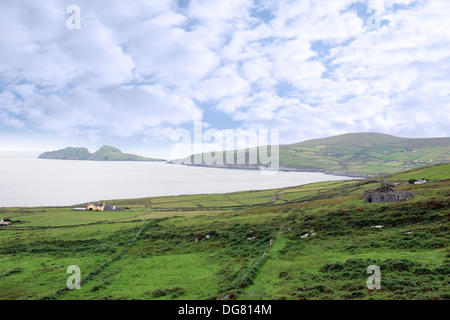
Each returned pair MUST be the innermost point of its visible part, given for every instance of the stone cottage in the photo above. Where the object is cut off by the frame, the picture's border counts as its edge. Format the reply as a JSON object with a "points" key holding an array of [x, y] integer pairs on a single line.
{"points": [[385, 194]]}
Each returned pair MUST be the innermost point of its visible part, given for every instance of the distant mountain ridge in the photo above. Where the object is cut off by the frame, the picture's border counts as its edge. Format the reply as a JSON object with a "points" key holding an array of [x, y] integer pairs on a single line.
{"points": [[352, 154], [105, 153]]}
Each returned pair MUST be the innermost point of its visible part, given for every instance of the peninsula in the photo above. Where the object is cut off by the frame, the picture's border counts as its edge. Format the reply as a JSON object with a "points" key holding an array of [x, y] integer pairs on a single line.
{"points": [[105, 153], [361, 155]]}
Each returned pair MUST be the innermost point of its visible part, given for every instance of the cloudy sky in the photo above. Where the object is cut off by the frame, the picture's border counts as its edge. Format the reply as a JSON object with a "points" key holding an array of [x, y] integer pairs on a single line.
{"points": [[136, 71]]}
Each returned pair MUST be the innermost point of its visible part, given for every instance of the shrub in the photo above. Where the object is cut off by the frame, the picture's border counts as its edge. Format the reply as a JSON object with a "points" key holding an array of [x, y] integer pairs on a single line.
{"points": [[158, 293], [397, 265], [332, 267], [175, 292], [352, 287], [353, 295], [422, 271], [319, 288], [444, 269]]}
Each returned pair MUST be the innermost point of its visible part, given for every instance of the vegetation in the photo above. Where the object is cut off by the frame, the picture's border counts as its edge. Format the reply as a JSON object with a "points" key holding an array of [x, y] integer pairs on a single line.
{"points": [[354, 154], [105, 153], [308, 242]]}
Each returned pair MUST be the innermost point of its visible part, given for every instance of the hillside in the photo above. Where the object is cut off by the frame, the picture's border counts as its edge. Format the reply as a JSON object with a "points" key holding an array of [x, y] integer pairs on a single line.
{"points": [[311, 242], [105, 153], [355, 154]]}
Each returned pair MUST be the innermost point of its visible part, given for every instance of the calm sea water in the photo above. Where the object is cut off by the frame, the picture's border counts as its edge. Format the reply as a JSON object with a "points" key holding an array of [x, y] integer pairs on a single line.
{"points": [[26, 181]]}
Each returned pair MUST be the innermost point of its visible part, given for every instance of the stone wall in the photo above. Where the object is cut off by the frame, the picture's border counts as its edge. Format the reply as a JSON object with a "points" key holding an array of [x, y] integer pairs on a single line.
{"points": [[382, 197]]}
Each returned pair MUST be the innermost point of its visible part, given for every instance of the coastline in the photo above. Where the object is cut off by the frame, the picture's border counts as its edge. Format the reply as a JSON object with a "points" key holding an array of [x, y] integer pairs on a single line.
{"points": [[351, 174], [30, 182]]}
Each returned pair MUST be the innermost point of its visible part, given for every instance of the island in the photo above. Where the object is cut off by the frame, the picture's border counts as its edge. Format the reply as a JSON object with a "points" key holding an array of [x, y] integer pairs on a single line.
{"points": [[105, 153]]}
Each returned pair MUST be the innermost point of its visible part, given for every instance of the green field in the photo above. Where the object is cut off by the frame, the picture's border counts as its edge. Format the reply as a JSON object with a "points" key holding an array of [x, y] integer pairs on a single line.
{"points": [[356, 154], [242, 245]]}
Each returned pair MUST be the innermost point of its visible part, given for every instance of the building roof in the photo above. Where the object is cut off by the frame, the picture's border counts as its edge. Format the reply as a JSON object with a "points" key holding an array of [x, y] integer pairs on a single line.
{"points": [[385, 188], [96, 204]]}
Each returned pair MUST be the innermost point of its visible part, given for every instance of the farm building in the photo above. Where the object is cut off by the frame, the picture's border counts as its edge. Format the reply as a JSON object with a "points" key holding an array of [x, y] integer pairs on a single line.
{"points": [[96, 206], [100, 207], [385, 194]]}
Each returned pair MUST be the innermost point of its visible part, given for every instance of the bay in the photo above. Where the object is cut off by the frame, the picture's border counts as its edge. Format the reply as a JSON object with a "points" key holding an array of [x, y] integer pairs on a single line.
{"points": [[26, 181]]}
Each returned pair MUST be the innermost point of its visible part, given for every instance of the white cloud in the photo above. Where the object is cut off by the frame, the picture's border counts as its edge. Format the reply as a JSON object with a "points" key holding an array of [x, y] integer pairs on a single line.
{"points": [[40, 49], [223, 83], [121, 112], [308, 68]]}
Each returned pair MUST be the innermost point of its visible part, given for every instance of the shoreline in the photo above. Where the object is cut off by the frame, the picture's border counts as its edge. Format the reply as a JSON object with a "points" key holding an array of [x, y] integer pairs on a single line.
{"points": [[82, 204], [350, 174]]}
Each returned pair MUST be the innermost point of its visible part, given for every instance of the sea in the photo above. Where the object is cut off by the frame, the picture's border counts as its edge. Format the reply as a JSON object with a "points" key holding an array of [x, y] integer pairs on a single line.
{"points": [[26, 181]]}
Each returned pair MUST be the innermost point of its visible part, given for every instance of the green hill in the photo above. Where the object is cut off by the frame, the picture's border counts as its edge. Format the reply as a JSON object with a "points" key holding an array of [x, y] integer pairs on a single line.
{"points": [[310, 242], [68, 153], [354, 154], [105, 153]]}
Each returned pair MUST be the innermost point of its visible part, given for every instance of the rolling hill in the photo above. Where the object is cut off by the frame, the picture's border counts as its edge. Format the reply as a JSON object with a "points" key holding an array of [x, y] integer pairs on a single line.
{"points": [[352, 154]]}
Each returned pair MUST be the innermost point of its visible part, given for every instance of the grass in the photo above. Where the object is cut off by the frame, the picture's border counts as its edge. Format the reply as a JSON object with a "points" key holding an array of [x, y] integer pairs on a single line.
{"points": [[243, 245], [195, 271], [361, 154]]}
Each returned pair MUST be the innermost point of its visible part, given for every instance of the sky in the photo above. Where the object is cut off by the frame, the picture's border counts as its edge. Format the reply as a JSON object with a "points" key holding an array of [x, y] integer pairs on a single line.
{"points": [[131, 73]]}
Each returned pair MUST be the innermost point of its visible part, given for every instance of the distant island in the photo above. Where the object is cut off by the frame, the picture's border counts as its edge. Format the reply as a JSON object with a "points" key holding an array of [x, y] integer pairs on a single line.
{"points": [[105, 153]]}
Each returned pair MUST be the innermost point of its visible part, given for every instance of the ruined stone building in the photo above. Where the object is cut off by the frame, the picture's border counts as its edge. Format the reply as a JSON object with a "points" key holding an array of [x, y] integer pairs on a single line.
{"points": [[386, 194]]}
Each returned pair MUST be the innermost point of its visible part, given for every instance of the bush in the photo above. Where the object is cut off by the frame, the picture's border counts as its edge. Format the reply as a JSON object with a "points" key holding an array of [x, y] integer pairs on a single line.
{"points": [[444, 269], [158, 293], [397, 265], [319, 288], [332, 267], [422, 271], [300, 296], [175, 292], [354, 294], [352, 287]]}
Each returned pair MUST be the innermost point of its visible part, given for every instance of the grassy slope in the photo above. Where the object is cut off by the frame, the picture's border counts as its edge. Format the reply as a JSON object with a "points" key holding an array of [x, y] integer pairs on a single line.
{"points": [[366, 152], [108, 153], [68, 153], [362, 153], [247, 244]]}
